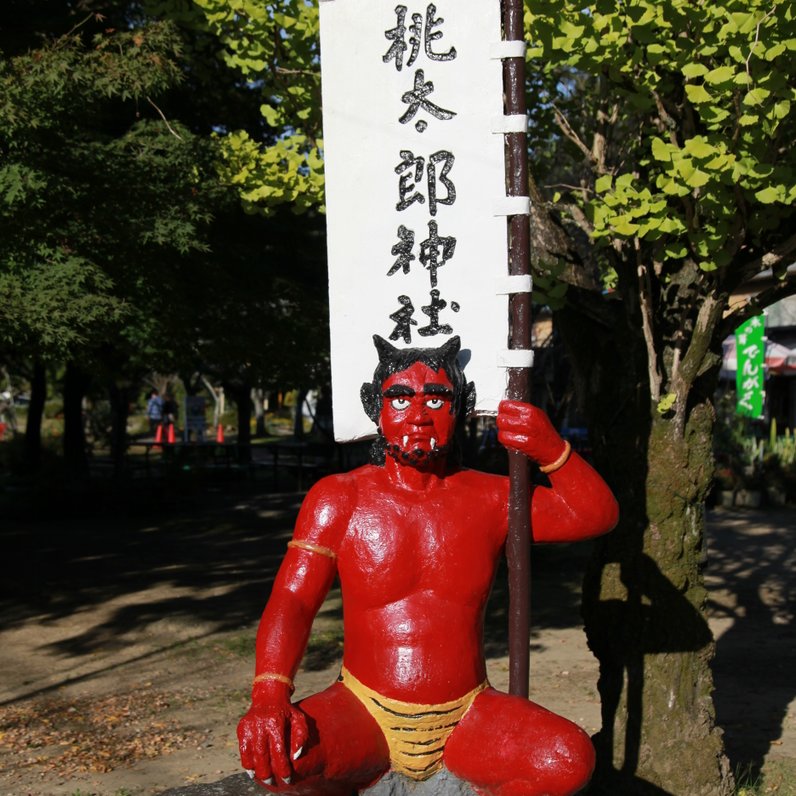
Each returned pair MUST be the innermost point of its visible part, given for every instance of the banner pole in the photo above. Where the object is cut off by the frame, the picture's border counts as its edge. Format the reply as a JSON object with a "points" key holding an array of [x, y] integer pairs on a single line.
{"points": [[518, 545]]}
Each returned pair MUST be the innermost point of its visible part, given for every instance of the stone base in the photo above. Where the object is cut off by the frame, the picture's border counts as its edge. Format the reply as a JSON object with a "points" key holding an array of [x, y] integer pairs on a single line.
{"points": [[443, 783], [236, 785], [391, 784]]}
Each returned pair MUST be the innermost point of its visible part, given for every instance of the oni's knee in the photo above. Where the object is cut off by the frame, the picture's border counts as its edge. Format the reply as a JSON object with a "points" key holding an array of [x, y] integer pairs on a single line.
{"points": [[570, 763], [560, 767], [507, 746]]}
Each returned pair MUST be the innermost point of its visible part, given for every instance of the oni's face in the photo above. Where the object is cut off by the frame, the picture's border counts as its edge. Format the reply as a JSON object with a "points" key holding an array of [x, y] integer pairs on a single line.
{"points": [[416, 413]]}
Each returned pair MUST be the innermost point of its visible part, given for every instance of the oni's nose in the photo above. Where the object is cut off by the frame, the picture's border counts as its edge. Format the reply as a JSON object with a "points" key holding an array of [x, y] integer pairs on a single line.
{"points": [[419, 414]]}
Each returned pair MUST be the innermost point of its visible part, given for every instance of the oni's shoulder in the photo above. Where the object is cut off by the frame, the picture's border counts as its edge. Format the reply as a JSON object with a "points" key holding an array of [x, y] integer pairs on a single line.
{"points": [[329, 505], [477, 479]]}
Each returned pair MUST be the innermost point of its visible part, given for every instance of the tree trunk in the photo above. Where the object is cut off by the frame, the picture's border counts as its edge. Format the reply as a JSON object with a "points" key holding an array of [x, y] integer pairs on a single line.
{"points": [[75, 386], [241, 394], [298, 418], [38, 397], [258, 400], [120, 406], [644, 595]]}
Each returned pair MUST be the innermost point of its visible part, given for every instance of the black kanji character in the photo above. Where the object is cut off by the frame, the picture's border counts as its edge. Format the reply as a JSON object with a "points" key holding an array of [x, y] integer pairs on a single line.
{"points": [[432, 310], [397, 36], [407, 182], [436, 251], [403, 251], [432, 35], [416, 100], [411, 170], [447, 159], [403, 320]]}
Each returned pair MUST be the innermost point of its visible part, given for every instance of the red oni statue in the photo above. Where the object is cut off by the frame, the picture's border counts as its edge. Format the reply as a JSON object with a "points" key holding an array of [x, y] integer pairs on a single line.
{"points": [[415, 540]]}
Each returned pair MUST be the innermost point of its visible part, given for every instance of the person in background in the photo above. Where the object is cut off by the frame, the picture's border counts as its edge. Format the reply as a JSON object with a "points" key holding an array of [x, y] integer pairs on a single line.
{"points": [[154, 411]]}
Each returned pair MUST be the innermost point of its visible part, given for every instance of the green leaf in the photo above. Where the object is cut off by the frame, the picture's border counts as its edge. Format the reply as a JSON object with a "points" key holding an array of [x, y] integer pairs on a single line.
{"points": [[756, 96], [671, 224], [721, 74], [571, 30], [666, 403], [782, 109], [623, 225], [271, 115], [737, 54], [694, 70], [697, 93], [774, 52], [676, 251], [625, 180], [661, 151], [604, 183], [769, 195], [698, 147], [671, 187]]}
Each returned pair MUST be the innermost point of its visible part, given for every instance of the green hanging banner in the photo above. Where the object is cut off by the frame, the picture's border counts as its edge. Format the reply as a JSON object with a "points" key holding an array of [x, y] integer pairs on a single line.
{"points": [[750, 348]]}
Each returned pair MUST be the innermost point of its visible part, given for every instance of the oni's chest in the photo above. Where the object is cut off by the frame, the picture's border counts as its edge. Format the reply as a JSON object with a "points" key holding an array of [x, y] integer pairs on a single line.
{"points": [[397, 547]]}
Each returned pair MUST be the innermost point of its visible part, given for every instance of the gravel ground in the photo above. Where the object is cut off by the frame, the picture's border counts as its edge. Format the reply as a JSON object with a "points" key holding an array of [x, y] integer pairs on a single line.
{"points": [[126, 642]]}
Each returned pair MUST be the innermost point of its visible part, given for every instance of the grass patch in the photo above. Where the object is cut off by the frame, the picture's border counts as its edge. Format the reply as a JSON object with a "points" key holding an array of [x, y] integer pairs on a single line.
{"points": [[241, 645], [777, 777], [325, 647]]}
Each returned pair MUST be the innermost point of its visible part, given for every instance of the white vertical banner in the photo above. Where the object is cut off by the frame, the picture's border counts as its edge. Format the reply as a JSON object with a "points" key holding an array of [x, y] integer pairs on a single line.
{"points": [[415, 189]]}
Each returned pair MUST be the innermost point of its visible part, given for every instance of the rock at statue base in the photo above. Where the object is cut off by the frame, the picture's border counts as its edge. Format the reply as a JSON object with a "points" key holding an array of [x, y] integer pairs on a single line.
{"points": [[236, 785], [441, 784]]}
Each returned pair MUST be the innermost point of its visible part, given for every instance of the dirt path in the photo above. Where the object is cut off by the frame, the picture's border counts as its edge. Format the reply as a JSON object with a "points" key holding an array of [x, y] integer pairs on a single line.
{"points": [[126, 653]]}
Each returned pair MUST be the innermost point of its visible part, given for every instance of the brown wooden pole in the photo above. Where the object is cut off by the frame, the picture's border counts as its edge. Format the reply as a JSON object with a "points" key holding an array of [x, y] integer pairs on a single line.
{"points": [[518, 545]]}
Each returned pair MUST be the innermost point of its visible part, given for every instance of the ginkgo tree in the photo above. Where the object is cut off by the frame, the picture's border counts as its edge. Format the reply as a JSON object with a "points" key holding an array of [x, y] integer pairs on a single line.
{"points": [[663, 180], [275, 46]]}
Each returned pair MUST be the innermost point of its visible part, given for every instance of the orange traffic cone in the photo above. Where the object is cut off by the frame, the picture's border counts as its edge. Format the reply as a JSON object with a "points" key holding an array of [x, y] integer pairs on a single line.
{"points": [[171, 434], [159, 434], [220, 434]]}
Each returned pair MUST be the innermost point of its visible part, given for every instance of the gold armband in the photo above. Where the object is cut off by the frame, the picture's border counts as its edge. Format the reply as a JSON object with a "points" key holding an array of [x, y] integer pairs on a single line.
{"points": [[279, 678], [559, 462], [312, 548]]}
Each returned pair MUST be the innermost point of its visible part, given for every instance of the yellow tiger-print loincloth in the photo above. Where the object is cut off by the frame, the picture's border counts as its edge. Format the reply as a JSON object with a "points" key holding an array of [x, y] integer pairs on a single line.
{"points": [[416, 734]]}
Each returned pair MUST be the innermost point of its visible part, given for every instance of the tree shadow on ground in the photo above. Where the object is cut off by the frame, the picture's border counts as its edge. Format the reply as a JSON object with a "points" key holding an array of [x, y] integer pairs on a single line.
{"points": [[217, 552], [753, 558], [556, 585]]}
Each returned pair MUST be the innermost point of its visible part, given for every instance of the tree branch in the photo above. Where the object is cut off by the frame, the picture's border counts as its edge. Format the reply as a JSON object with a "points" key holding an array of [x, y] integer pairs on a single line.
{"points": [[600, 142], [708, 319], [645, 305], [756, 304], [772, 259], [757, 40], [550, 242], [579, 218], [567, 130], [667, 123], [163, 116]]}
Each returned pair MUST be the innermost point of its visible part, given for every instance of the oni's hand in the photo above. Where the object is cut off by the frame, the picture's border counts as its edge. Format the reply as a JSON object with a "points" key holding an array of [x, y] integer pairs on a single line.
{"points": [[527, 429], [271, 737]]}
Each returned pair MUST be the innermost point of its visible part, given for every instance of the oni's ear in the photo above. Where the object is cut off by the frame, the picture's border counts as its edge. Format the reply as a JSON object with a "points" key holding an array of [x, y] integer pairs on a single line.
{"points": [[371, 401], [468, 398]]}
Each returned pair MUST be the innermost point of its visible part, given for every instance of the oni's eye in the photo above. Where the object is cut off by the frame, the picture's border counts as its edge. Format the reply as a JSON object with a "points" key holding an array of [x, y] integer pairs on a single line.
{"points": [[434, 403], [399, 403]]}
